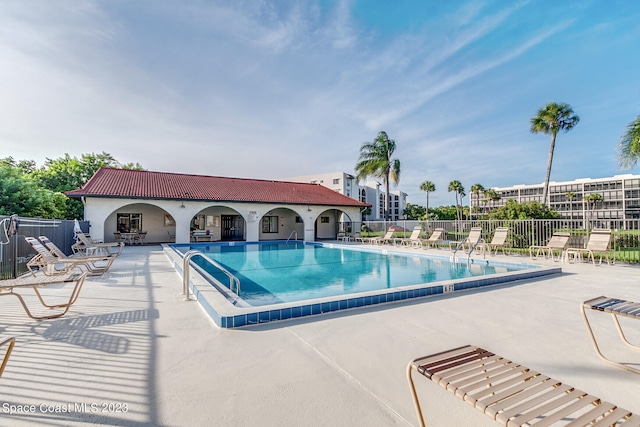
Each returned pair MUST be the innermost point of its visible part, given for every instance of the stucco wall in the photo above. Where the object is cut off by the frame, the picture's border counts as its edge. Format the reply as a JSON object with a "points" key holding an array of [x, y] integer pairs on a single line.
{"points": [[102, 212]]}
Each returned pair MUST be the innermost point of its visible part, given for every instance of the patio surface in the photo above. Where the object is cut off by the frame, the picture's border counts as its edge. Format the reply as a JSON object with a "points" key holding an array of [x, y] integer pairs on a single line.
{"points": [[131, 352]]}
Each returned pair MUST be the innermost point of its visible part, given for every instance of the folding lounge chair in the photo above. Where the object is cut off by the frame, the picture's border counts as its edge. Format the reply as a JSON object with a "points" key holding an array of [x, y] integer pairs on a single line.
{"points": [[388, 237], [436, 236], [599, 240], [97, 264], [51, 263], [616, 307], [9, 342], [86, 246], [35, 281], [511, 394], [499, 241], [558, 242], [413, 240], [473, 241]]}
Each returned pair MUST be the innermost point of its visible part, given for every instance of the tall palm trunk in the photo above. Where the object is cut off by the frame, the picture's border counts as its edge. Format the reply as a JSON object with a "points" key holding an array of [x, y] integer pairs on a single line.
{"points": [[388, 213], [545, 192]]}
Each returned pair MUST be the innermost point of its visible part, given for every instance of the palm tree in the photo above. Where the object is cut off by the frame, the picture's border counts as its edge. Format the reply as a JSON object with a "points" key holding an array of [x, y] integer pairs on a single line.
{"points": [[477, 189], [549, 120], [492, 195], [629, 146], [375, 160], [427, 187], [591, 200], [456, 186]]}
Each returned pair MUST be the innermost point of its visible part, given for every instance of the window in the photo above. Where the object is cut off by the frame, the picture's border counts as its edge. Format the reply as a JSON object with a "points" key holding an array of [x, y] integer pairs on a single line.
{"points": [[299, 220], [129, 222], [324, 219], [336, 181], [269, 224]]}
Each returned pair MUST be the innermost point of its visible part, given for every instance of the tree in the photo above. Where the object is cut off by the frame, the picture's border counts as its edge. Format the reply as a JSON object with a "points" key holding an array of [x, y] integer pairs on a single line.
{"points": [[570, 195], [22, 196], [415, 212], [375, 160], [427, 187], [458, 189], [629, 146], [69, 173], [549, 120], [525, 210], [591, 200], [477, 189], [492, 195]]}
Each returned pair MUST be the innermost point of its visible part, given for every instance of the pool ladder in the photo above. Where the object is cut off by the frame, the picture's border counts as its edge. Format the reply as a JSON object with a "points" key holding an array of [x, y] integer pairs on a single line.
{"points": [[233, 280], [473, 248], [292, 234]]}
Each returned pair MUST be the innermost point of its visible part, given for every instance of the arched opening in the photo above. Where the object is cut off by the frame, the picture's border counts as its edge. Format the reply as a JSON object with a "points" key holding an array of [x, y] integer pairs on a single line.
{"points": [[217, 223], [281, 224], [141, 223], [331, 222]]}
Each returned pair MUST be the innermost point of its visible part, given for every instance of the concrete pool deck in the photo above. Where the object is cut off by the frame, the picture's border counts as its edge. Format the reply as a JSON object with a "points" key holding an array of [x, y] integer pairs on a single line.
{"points": [[131, 352]]}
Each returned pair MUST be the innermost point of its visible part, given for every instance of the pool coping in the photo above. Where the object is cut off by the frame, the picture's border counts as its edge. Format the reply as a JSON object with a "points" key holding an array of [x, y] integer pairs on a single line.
{"points": [[226, 315]]}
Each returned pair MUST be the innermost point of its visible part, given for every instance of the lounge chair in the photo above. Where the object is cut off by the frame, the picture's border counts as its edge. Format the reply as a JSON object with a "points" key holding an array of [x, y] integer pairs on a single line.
{"points": [[471, 242], [413, 240], [616, 307], [86, 246], [35, 281], [94, 264], [558, 242], [388, 237], [56, 262], [599, 240], [511, 394], [343, 237], [499, 241], [9, 342], [436, 236]]}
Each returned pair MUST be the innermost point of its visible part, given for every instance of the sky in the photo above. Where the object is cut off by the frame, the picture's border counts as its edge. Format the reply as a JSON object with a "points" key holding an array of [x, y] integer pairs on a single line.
{"points": [[272, 89]]}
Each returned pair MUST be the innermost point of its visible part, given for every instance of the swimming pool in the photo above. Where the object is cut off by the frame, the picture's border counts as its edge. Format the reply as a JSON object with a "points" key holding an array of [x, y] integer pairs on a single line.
{"points": [[276, 272], [289, 280]]}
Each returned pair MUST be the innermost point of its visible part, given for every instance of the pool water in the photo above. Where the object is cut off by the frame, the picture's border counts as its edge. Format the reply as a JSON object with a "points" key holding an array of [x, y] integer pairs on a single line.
{"points": [[275, 272]]}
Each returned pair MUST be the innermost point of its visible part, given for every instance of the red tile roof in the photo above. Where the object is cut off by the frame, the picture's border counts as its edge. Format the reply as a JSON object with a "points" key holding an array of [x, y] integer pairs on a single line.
{"points": [[109, 182]]}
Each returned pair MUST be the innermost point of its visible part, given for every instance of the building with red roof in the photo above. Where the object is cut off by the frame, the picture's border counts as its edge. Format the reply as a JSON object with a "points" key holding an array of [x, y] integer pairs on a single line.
{"points": [[183, 207]]}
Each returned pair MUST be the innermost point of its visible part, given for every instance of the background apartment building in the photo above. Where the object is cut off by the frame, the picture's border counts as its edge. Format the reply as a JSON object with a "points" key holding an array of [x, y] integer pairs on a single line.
{"points": [[620, 199], [371, 192]]}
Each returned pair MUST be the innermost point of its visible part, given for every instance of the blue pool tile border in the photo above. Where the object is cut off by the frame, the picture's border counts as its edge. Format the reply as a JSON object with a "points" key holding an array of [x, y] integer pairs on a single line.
{"points": [[261, 315]]}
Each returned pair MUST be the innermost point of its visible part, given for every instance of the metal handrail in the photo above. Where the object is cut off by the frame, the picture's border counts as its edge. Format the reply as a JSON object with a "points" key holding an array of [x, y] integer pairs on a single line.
{"points": [[473, 248], [292, 233], [233, 280]]}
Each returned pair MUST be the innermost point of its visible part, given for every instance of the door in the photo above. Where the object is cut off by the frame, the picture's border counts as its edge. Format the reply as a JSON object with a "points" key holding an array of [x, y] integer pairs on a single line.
{"points": [[232, 227]]}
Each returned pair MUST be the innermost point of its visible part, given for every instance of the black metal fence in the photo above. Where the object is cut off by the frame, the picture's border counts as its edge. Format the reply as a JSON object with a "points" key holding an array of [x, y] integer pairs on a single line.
{"points": [[15, 251]]}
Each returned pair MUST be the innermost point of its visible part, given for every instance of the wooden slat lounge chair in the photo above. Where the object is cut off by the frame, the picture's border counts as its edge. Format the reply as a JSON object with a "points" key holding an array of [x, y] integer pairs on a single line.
{"points": [[436, 236], [86, 246], [512, 394], [9, 343], [51, 263], [558, 242], [473, 240], [598, 243], [499, 241], [8, 287], [413, 240], [616, 307]]}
